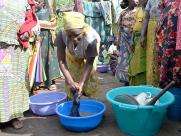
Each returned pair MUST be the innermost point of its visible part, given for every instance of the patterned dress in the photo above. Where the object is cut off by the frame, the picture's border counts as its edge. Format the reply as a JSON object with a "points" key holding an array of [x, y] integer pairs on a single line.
{"points": [[137, 65], [48, 50], [126, 22], [151, 71], [14, 91], [168, 57]]}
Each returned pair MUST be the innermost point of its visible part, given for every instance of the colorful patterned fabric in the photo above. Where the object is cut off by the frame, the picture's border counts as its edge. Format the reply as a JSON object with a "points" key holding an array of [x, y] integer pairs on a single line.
{"points": [[168, 57], [98, 15], [33, 59], [151, 74], [76, 69], [137, 66], [113, 61], [28, 25], [123, 61], [127, 18], [126, 21], [178, 44], [12, 16], [48, 50], [78, 6], [14, 90], [139, 18]]}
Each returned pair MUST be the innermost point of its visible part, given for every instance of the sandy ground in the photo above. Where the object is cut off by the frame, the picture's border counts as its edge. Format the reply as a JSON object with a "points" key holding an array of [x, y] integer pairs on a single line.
{"points": [[49, 126]]}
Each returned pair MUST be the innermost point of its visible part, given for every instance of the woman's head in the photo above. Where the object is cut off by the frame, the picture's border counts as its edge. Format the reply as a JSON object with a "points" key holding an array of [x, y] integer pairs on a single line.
{"points": [[143, 2], [129, 3], [75, 35], [75, 26]]}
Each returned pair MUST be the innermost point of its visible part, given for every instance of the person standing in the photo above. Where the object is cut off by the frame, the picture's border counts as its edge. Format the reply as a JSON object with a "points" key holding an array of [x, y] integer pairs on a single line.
{"points": [[168, 54], [45, 11], [15, 30], [152, 16], [78, 46], [126, 22]]}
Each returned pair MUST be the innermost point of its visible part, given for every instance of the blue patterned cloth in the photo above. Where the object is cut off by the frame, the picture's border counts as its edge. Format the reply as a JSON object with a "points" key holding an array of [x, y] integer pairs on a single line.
{"points": [[116, 9], [99, 16], [123, 62]]}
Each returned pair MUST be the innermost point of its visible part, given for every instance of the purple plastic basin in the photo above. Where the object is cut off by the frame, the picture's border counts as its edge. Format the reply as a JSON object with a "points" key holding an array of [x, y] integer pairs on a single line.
{"points": [[45, 104], [102, 68]]}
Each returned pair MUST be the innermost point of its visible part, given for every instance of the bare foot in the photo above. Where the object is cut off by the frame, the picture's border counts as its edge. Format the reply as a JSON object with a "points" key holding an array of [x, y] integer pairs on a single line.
{"points": [[16, 123], [53, 87]]}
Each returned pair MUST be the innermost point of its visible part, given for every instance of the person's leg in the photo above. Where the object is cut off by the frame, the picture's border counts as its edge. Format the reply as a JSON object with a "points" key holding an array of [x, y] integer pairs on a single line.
{"points": [[17, 123], [14, 85], [53, 86]]}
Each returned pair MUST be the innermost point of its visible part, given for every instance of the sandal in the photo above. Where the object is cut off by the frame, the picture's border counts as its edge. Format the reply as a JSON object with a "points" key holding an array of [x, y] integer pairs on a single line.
{"points": [[17, 124]]}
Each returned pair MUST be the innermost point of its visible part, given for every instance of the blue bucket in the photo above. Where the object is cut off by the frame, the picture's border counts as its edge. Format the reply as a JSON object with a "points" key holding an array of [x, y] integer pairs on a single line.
{"points": [[138, 120], [83, 123], [174, 111]]}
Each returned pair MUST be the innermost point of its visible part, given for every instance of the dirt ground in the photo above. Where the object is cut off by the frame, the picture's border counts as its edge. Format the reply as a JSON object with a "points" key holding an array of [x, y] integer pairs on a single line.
{"points": [[49, 126]]}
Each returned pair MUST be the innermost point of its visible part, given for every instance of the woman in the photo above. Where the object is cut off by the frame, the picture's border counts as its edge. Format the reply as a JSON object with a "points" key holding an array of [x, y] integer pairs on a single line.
{"points": [[169, 57], [78, 46], [14, 90], [126, 22], [137, 67], [152, 15], [45, 10]]}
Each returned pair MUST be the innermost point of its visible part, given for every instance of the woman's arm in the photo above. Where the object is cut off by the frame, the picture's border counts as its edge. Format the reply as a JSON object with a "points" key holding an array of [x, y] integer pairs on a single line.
{"points": [[51, 25], [87, 70], [144, 29], [61, 54]]}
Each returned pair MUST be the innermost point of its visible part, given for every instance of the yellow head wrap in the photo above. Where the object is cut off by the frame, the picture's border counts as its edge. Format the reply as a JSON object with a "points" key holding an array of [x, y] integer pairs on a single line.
{"points": [[74, 20]]}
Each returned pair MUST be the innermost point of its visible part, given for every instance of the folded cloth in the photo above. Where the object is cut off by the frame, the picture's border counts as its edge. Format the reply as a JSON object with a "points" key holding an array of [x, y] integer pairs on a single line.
{"points": [[76, 105]]}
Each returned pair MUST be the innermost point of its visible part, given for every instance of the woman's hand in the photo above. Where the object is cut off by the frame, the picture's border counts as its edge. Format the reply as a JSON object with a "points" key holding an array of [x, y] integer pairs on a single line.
{"points": [[143, 41], [25, 36], [81, 84], [73, 86]]}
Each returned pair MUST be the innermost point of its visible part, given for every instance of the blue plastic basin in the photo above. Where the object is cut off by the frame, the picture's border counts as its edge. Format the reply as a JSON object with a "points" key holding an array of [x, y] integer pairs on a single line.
{"points": [[84, 123], [174, 111], [137, 120], [45, 104]]}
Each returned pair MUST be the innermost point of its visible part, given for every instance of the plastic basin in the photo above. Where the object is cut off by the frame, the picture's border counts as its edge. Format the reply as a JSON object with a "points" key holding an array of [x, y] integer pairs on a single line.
{"points": [[102, 68], [45, 104], [83, 123], [138, 120], [174, 111]]}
